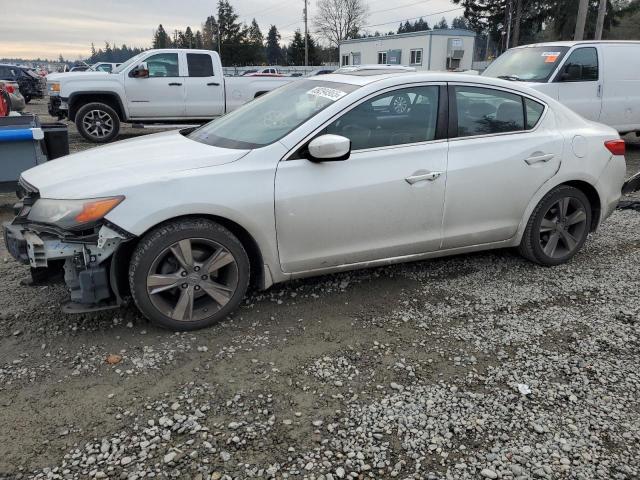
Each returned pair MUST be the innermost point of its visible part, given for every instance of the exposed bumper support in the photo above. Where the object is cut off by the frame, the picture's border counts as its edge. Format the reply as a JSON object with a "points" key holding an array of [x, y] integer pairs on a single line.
{"points": [[87, 266]]}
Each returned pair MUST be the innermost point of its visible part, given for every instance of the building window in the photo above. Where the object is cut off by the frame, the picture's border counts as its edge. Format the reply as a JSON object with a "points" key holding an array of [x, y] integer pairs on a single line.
{"points": [[382, 58], [345, 60], [416, 56]]}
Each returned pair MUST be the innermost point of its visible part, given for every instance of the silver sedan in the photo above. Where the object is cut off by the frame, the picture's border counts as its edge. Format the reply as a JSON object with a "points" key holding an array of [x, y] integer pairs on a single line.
{"points": [[355, 169]]}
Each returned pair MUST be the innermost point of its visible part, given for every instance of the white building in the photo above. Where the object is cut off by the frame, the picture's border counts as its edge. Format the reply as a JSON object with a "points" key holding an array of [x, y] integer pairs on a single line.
{"points": [[446, 49]]}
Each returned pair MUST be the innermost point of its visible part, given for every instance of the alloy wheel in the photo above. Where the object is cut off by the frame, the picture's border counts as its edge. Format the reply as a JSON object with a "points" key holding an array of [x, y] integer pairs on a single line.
{"points": [[563, 227], [98, 124], [192, 279], [400, 104]]}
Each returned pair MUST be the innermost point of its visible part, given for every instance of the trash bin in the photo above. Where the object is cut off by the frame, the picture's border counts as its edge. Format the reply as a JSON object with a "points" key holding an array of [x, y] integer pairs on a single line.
{"points": [[20, 147], [56, 140]]}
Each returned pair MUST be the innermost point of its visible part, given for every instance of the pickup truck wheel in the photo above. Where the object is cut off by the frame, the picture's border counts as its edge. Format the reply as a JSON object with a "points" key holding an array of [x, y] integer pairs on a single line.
{"points": [[188, 274], [97, 122]]}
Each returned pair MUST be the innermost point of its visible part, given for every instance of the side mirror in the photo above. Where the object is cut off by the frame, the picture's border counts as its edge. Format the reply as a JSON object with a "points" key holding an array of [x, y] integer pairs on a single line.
{"points": [[329, 148], [141, 71]]}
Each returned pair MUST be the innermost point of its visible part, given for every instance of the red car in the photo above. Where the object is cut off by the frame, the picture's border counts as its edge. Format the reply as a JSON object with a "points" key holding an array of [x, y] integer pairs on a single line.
{"points": [[5, 102]]}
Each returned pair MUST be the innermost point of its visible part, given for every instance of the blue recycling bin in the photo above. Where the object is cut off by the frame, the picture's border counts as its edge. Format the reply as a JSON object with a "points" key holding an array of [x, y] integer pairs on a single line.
{"points": [[20, 147]]}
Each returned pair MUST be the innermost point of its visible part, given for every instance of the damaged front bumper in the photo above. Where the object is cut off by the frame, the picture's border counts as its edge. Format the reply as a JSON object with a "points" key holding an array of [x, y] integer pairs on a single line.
{"points": [[89, 261]]}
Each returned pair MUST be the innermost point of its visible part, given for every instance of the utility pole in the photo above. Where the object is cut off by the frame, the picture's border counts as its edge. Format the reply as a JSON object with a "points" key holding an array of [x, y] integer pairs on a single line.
{"points": [[602, 13], [509, 24], [306, 36], [581, 21]]}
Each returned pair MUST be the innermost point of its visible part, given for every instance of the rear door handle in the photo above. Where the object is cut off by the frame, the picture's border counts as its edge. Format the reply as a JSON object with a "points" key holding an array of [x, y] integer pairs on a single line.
{"points": [[213, 84], [422, 177], [539, 158], [175, 84]]}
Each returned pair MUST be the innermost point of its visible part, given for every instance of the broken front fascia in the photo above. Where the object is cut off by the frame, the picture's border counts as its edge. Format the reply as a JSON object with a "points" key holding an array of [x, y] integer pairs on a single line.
{"points": [[87, 272], [43, 248]]}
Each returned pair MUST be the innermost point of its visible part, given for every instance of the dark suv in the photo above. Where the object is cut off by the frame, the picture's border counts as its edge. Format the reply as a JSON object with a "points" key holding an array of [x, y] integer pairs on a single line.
{"points": [[31, 84]]}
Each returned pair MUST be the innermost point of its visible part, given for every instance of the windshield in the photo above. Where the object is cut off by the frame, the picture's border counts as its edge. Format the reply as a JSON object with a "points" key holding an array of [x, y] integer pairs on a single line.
{"points": [[131, 61], [272, 116], [529, 64]]}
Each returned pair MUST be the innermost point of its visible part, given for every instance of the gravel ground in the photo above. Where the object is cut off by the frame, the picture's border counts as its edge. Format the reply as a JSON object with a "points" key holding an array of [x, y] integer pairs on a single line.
{"points": [[475, 366]]}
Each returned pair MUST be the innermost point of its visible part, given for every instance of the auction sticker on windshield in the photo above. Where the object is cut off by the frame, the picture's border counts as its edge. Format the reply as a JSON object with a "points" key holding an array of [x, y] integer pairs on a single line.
{"points": [[550, 57], [326, 92]]}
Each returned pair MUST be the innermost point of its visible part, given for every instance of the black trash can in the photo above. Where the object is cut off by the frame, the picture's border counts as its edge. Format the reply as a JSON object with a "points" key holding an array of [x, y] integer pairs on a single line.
{"points": [[56, 140]]}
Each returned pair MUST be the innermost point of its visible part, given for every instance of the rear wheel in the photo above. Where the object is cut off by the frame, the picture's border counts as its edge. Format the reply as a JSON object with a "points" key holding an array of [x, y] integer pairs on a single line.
{"points": [[27, 98], [97, 122], [189, 274], [558, 227]]}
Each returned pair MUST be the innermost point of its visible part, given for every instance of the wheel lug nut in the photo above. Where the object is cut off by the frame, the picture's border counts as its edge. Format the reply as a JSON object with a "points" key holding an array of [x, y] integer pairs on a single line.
{"points": [[197, 287], [184, 274], [205, 277], [184, 285], [197, 269]]}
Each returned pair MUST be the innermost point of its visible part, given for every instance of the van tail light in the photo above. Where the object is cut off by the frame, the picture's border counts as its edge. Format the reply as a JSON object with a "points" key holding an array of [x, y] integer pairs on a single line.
{"points": [[616, 147], [9, 88]]}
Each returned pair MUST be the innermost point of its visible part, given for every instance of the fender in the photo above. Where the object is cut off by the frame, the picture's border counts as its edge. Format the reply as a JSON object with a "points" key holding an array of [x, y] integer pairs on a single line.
{"points": [[76, 96]]}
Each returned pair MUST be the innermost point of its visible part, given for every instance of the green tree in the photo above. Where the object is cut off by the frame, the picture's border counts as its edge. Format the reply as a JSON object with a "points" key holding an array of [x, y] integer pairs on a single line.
{"points": [[421, 25], [199, 41], [295, 53], [255, 40], [441, 25], [188, 39], [160, 38], [210, 33], [460, 22], [273, 50], [231, 34]]}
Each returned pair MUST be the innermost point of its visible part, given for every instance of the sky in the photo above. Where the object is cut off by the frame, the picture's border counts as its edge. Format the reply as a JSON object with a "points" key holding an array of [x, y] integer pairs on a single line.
{"points": [[45, 29]]}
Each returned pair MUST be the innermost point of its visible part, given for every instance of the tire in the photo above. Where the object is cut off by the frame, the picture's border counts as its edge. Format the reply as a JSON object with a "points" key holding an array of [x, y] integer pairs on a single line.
{"points": [[558, 227], [173, 276], [97, 122], [27, 98]]}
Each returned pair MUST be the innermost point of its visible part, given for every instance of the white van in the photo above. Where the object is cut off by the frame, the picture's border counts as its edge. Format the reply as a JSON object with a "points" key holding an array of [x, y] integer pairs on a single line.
{"points": [[600, 80]]}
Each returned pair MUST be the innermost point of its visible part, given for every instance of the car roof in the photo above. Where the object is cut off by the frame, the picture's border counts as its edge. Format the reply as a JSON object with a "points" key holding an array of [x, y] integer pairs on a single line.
{"points": [[416, 77], [571, 43]]}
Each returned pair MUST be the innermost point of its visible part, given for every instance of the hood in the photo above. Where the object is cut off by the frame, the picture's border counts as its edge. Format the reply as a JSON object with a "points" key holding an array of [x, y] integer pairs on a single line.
{"points": [[112, 168], [57, 77]]}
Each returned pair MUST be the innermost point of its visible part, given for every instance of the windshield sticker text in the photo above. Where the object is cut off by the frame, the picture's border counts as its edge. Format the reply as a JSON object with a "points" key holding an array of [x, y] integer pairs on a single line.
{"points": [[325, 92], [550, 57]]}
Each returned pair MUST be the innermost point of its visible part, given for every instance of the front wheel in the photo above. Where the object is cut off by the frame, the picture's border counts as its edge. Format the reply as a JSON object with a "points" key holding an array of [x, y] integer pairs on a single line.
{"points": [[188, 274], [558, 227], [97, 122]]}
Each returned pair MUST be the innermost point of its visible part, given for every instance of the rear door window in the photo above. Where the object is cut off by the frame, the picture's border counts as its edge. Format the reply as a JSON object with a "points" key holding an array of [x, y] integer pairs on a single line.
{"points": [[200, 65], [581, 66], [483, 111]]}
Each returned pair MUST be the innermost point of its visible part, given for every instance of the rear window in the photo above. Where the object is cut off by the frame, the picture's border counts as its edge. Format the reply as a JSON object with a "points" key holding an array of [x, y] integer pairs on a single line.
{"points": [[200, 65], [534, 112]]}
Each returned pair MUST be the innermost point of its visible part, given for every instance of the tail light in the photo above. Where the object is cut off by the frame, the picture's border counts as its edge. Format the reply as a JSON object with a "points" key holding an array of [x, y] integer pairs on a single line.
{"points": [[616, 147], [9, 88]]}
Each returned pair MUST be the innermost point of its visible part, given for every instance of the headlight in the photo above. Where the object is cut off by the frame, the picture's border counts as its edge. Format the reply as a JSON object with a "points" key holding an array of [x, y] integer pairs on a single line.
{"points": [[54, 88], [72, 214]]}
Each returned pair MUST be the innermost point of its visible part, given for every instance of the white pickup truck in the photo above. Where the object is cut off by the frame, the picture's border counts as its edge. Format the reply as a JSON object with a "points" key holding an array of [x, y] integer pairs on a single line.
{"points": [[154, 87]]}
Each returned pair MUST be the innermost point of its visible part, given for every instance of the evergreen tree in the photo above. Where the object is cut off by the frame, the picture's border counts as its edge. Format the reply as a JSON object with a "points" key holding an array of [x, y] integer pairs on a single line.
{"points": [[189, 39], [231, 34], [441, 25], [460, 22], [210, 33], [295, 54], [160, 38], [273, 51], [421, 25], [255, 40], [199, 41]]}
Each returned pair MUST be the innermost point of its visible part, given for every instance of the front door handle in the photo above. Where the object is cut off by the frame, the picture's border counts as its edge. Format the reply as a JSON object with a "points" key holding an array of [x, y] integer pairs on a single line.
{"points": [[422, 177], [539, 157], [213, 84], [173, 84]]}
